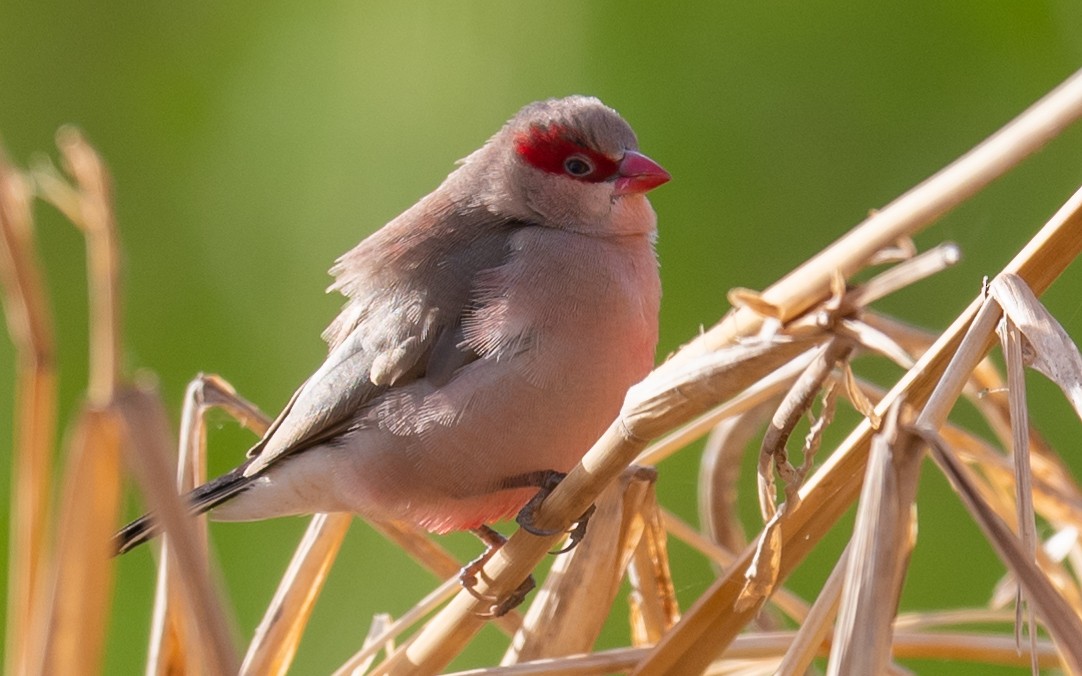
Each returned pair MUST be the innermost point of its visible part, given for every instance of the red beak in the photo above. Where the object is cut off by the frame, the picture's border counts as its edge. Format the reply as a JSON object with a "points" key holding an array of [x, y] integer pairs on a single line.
{"points": [[639, 174]]}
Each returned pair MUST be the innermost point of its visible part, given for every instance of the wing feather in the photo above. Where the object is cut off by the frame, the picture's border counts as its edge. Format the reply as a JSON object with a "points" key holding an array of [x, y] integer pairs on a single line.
{"points": [[408, 287]]}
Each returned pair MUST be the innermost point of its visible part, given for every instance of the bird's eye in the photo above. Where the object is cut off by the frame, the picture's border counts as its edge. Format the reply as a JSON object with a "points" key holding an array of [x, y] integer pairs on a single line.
{"points": [[577, 165]]}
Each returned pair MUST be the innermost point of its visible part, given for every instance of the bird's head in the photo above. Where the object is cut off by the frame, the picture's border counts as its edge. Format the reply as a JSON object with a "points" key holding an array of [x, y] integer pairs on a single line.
{"points": [[570, 163]]}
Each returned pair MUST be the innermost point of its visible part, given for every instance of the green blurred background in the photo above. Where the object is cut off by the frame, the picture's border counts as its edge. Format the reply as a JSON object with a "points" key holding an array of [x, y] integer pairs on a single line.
{"points": [[252, 143]]}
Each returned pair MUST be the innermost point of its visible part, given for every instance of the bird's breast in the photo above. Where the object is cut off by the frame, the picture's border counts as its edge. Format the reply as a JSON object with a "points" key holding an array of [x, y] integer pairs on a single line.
{"points": [[564, 301]]}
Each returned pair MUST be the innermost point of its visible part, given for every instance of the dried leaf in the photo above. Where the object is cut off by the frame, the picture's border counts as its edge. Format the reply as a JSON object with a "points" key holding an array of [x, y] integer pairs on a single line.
{"points": [[1061, 621], [773, 455], [1053, 353], [653, 596], [1016, 381], [878, 552], [719, 469], [762, 574], [753, 300], [875, 340]]}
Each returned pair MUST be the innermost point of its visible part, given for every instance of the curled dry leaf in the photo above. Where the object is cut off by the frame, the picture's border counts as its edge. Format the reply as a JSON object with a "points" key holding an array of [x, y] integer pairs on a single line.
{"points": [[773, 455], [719, 470], [1052, 351], [752, 300], [762, 573]]}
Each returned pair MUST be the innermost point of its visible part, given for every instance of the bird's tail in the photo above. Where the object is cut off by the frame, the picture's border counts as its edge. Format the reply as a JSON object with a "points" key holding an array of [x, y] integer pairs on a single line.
{"points": [[202, 499]]}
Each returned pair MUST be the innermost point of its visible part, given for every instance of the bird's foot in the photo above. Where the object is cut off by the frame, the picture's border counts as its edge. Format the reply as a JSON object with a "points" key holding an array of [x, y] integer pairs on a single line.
{"points": [[526, 516], [471, 574]]}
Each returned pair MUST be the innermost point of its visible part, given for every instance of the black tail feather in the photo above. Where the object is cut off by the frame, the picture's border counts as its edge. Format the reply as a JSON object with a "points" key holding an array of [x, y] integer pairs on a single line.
{"points": [[202, 499]]}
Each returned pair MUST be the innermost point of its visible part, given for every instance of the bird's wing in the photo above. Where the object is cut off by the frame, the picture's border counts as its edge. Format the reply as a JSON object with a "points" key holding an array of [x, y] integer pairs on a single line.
{"points": [[408, 290]]}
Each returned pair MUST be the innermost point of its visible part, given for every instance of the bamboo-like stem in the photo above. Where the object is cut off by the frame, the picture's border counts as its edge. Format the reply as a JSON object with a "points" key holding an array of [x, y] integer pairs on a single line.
{"points": [[277, 637], [394, 629], [169, 650], [831, 490], [29, 322], [424, 550], [883, 538], [81, 573], [816, 628], [94, 216], [955, 646], [149, 456], [907, 215]]}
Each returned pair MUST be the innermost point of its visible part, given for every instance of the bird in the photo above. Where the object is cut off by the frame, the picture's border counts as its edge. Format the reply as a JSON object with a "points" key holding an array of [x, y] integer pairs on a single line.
{"points": [[489, 335]]}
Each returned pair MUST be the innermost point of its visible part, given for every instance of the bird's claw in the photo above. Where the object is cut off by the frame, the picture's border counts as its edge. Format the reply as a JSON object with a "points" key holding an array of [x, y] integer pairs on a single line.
{"points": [[576, 534], [501, 607], [470, 575], [525, 517]]}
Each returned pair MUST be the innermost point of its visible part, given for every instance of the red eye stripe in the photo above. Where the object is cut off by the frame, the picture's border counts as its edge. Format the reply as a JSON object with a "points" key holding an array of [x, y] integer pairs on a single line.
{"points": [[547, 148]]}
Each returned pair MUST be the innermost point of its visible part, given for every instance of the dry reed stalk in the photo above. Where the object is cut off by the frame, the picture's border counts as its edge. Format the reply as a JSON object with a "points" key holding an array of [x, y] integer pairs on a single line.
{"points": [[653, 605], [816, 628], [81, 569], [906, 215], [168, 635], [278, 635], [769, 647], [582, 585], [833, 487], [79, 580], [29, 323], [883, 538]]}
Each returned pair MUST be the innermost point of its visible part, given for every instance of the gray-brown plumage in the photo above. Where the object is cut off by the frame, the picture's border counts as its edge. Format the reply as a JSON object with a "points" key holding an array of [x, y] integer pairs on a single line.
{"points": [[491, 331]]}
